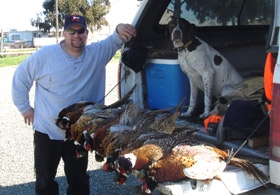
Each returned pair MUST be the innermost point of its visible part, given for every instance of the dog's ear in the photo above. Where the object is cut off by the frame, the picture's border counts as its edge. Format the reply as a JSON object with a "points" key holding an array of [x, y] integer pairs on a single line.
{"points": [[167, 32], [191, 33]]}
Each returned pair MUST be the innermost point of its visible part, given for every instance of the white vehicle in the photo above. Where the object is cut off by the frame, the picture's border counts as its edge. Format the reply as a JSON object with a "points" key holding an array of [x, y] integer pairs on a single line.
{"points": [[244, 31]]}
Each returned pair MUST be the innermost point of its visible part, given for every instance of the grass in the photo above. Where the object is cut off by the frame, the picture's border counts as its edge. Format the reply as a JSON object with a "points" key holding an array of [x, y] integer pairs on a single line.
{"points": [[15, 60], [11, 60], [117, 56]]}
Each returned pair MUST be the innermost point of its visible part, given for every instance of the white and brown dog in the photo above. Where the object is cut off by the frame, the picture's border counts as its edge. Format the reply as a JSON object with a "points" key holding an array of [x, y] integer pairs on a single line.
{"points": [[206, 68]]}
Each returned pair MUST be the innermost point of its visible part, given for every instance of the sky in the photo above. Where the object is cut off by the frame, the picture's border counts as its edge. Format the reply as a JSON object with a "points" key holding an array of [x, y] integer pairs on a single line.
{"points": [[16, 14]]}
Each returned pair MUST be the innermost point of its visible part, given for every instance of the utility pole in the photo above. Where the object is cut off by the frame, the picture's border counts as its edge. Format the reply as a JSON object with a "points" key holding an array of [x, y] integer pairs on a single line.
{"points": [[177, 8], [56, 18], [2, 41]]}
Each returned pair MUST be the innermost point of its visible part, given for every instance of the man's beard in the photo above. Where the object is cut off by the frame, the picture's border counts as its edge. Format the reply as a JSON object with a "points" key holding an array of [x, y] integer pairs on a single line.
{"points": [[80, 45]]}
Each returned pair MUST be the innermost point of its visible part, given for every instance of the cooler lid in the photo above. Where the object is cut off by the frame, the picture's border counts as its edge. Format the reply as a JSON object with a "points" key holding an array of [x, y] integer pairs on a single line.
{"points": [[163, 61]]}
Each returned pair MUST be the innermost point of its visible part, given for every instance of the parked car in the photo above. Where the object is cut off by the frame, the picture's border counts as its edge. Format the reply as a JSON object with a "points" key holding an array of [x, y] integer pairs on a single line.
{"points": [[243, 31]]}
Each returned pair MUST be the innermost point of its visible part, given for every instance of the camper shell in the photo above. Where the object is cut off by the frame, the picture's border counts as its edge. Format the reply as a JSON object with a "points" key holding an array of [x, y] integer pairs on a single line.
{"points": [[244, 32]]}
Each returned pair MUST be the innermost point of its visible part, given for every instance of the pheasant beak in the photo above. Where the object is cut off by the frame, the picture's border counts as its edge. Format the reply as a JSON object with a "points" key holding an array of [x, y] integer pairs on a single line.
{"points": [[122, 171]]}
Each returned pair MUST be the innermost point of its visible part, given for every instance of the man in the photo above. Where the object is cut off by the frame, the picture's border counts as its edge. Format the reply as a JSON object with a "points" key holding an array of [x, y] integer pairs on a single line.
{"points": [[64, 73]]}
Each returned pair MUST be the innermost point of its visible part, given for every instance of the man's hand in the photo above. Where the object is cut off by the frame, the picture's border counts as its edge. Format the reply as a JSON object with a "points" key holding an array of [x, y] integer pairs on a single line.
{"points": [[29, 116], [126, 31]]}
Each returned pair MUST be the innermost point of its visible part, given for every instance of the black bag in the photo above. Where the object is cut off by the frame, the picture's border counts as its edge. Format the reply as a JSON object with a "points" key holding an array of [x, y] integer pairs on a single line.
{"points": [[242, 117], [135, 58]]}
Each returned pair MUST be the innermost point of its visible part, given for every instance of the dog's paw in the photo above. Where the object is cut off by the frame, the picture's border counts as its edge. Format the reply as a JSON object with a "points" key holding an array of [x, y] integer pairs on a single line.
{"points": [[204, 115], [186, 114]]}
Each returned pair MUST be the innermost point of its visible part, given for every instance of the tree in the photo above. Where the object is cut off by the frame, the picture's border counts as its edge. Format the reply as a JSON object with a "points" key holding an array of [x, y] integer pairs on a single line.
{"points": [[228, 11], [40, 23], [93, 11], [225, 12]]}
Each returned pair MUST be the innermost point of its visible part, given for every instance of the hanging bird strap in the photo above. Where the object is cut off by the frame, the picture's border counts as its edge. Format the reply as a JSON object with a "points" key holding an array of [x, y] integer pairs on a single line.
{"points": [[126, 74]]}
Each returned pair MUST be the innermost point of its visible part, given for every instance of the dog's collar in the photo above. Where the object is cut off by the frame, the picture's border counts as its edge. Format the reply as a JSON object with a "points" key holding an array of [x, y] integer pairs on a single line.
{"points": [[178, 49]]}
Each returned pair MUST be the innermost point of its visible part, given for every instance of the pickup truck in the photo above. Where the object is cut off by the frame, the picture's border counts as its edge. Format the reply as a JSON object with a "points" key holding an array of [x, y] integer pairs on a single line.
{"points": [[244, 31]]}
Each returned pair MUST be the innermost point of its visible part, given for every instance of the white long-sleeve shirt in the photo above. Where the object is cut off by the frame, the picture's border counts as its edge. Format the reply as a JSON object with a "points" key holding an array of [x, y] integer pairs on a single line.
{"points": [[62, 80]]}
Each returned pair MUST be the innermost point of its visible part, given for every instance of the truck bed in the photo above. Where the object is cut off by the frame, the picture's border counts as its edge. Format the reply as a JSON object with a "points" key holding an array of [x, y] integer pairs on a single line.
{"points": [[235, 181], [260, 153]]}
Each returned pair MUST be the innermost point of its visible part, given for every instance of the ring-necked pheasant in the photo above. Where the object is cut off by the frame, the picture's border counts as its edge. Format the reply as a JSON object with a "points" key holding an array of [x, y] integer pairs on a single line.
{"points": [[199, 162], [69, 115], [135, 124], [136, 158]]}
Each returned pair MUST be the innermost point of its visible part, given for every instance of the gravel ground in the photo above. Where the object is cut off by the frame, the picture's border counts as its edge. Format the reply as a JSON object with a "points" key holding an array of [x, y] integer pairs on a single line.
{"points": [[16, 146]]}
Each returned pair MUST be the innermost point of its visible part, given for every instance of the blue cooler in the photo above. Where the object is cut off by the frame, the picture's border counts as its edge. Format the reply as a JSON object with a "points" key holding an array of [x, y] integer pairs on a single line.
{"points": [[167, 85]]}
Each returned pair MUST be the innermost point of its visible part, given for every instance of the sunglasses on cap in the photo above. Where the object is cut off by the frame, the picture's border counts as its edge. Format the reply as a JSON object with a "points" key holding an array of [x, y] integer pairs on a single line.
{"points": [[73, 31]]}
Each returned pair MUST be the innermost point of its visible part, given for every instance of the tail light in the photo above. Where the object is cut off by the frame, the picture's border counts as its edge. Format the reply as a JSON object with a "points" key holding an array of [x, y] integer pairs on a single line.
{"points": [[274, 162], [275, 124]]}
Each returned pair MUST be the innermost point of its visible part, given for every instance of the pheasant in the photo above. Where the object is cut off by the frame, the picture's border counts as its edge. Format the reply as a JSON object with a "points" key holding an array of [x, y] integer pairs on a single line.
{"points": [[69, 115], [198, 162], [166, 123], [135, 124], [93, 119], [153, 149], [80, 121], [107, 141]]}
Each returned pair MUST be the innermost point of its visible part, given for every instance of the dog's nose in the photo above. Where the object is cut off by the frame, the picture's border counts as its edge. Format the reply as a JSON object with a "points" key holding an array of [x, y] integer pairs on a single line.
{"points": [[176, 34]]}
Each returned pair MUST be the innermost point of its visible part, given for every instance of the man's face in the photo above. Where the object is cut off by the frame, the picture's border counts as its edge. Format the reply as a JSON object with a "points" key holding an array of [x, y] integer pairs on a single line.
{"points": [[75, 36]]}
